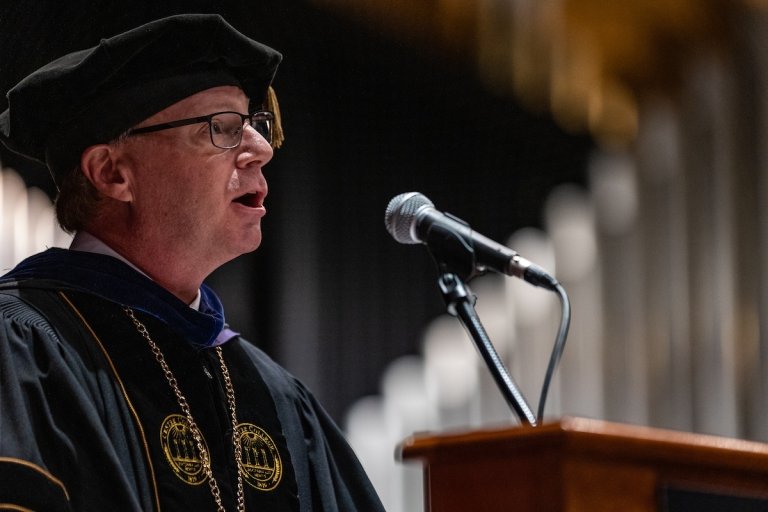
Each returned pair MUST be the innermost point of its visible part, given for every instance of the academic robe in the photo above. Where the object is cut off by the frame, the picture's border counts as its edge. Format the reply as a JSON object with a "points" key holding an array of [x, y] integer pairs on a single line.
{"points": [[88, 420]]}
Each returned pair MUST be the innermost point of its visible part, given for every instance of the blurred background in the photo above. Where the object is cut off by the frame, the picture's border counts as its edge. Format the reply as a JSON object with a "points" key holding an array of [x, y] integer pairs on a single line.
{"points": [[621, 145]]}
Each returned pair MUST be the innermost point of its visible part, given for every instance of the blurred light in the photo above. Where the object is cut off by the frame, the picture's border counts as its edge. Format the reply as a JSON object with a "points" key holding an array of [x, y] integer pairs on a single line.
{"points": [[531, 305], [450, 363], [27, 221], [570, 223], [614, 189]]}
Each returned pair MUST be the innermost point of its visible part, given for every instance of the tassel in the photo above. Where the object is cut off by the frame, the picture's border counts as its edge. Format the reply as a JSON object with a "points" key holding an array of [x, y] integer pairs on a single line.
{"points": [[277, 130]]}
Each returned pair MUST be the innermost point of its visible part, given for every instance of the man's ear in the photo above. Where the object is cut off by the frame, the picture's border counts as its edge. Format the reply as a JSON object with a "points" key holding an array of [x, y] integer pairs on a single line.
{"points": [[99, 163]]}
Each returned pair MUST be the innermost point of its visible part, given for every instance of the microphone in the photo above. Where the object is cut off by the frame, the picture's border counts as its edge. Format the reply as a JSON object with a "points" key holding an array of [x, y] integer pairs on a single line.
{"points": [[411, 218]]}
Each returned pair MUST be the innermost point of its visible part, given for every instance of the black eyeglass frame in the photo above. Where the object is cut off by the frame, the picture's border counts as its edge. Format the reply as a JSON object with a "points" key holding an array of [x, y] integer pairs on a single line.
{"points": [[265, 115]]}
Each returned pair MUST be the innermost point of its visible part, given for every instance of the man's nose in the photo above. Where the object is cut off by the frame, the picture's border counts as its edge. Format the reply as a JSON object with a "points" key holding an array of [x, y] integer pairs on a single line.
{"points": [[254, 147]]}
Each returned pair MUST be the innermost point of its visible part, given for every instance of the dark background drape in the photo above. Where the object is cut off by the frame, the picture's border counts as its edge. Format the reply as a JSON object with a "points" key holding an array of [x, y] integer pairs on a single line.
{"points": [[329, 294]]}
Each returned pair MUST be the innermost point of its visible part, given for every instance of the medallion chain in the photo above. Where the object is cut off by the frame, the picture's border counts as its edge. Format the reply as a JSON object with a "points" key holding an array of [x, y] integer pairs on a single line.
{"points": [[193, 428]]}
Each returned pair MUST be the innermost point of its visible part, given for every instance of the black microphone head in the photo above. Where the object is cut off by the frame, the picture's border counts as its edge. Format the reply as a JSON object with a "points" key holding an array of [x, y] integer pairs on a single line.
{"points": [[400, 217]]}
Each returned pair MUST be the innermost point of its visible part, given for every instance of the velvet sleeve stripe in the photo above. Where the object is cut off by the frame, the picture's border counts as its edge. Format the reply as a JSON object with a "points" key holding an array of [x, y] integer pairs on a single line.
{"points": [[33, 487]]}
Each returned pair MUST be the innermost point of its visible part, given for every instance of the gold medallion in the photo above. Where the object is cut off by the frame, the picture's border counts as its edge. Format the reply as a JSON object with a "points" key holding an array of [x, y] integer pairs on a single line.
{"points": [[181, 450], [259, 460]]}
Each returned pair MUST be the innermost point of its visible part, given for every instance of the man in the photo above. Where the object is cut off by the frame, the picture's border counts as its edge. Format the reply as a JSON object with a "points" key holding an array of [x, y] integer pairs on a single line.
{"points": [[121, 387]]}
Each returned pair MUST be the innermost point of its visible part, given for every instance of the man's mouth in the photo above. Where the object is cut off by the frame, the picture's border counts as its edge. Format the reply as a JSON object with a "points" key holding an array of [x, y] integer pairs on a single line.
{"points": [[249, 200]]}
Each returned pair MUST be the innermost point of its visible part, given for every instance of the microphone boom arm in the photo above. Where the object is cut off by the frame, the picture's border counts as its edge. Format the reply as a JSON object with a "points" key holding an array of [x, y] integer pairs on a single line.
{"points": [[461, 304]]}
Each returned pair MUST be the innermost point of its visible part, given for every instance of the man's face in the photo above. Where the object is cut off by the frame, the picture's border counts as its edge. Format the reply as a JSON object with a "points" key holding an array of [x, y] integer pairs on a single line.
{"points": [[191, 198]]}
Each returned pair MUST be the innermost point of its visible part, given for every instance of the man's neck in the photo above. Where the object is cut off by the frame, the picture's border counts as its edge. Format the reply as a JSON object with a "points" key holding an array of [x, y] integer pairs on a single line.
{"points": [[86, 242]]}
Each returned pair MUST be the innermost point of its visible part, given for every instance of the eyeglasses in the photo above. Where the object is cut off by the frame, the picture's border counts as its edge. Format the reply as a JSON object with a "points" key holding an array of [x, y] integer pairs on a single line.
{"points": [[226, 128]]}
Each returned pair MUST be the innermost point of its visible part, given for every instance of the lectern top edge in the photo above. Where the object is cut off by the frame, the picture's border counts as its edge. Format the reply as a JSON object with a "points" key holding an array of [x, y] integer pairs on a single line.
{"points": [[588, 435]]}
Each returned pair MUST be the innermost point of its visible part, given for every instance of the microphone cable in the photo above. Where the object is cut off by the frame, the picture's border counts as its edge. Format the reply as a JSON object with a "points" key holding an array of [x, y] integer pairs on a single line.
{"points": [[557, 349]]}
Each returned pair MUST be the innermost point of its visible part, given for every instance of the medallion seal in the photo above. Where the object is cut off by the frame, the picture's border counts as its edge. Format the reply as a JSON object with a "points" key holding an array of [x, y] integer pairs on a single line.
{"points": [[260, 461], [180, 449]]}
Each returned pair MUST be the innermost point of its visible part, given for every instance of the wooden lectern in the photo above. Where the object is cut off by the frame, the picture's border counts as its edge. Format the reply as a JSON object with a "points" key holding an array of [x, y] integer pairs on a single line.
{"points": [[581, 465]]}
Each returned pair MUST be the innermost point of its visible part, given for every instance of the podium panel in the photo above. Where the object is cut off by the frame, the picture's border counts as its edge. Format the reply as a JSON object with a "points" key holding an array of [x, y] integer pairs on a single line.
{"points": [[582, 465]]}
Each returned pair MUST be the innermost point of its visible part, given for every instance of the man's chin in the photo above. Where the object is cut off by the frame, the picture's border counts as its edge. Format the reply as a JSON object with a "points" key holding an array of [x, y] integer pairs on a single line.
{"points": [[248, 246]]}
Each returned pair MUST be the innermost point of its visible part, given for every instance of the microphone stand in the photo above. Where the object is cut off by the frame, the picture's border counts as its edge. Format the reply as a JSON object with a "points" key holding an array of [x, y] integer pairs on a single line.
{"points": [[461, 304]]}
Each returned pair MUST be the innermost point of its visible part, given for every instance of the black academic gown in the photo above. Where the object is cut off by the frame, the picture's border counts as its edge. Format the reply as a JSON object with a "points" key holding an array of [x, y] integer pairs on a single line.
{"points": [[88, 420]]}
